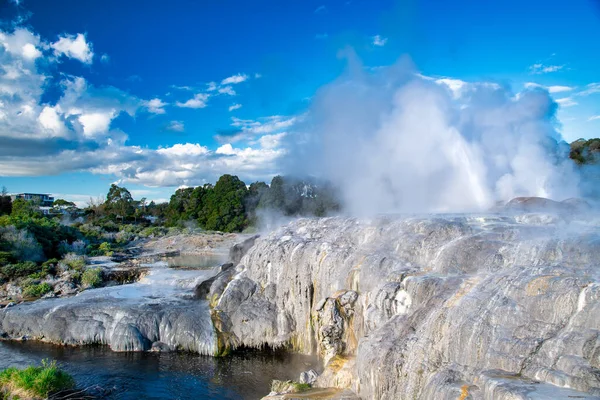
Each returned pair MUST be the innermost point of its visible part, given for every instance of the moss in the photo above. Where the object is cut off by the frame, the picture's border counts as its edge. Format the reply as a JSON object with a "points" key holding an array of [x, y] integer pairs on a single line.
{"points": [[301, 387], [34, 382], [289, 386]]}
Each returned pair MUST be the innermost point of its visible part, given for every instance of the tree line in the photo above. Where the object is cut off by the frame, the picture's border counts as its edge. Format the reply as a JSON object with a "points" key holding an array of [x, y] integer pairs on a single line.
{"points": [[231, 206]]}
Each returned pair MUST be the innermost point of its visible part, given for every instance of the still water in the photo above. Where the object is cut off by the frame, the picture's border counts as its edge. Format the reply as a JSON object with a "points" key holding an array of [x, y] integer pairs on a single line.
{"points": [[246, 375]]}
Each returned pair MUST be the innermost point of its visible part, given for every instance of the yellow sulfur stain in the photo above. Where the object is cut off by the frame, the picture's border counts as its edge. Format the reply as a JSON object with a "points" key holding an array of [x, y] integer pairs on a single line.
{"points": [[322, 257], [539, 285], [462, 291], [464, 392]]}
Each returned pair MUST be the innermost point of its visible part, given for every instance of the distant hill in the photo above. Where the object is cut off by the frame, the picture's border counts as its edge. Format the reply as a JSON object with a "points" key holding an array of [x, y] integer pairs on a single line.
{"points": [[585, 151]]}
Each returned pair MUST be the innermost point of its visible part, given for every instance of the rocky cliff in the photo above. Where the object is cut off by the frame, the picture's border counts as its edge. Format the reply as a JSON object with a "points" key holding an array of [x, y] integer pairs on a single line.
{"points": [[495, 306], [452, 307]]}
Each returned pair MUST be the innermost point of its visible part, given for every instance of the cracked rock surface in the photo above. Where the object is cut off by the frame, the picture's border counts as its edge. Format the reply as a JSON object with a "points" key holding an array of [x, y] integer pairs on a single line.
{"points": [[458, 306]]}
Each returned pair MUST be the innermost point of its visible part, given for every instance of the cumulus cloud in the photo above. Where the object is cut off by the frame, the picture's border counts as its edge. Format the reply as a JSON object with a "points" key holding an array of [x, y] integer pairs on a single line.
{"points": [[378, 40], [228, 90], [175, 126], [50, 120], [74, 46], [22, 43], [75, 133], [396, 142], [234, 107], [155, 106], [235, 79], [95, 123], [198, 101]]}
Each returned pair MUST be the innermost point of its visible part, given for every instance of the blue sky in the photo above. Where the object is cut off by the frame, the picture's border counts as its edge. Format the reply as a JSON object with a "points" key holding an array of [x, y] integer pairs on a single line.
{"points": [[156, 95]]}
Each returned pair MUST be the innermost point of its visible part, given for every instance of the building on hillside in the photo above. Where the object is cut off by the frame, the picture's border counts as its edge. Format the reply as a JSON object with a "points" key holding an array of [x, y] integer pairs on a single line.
{"points": [[44, 200]]}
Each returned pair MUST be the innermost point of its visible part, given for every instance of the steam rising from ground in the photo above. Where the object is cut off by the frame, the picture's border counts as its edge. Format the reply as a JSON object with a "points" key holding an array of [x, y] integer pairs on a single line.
{"points": [[396, 141]]}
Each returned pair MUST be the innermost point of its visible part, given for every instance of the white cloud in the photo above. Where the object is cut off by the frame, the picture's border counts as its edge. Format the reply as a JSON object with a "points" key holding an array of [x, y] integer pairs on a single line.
{"points": [[175, 126], [181, 150], [594, 118], [198, 101], [267, 125], [155, 106], [257, 76], [22, 43], [551, 89], [105, 58], [320, 9], [212, 86], [50, 120], [379, 40], [271, 141], [540, 68], [96, 123], [456, 86], [74, 47], [592, 88], [234, 107], [566, 102], [249, 129], [239, 78], [30, 52], [227, 90]]}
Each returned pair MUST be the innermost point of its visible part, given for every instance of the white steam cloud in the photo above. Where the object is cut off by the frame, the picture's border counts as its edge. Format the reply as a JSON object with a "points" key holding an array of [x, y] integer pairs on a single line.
{"points": [[396, 141]]}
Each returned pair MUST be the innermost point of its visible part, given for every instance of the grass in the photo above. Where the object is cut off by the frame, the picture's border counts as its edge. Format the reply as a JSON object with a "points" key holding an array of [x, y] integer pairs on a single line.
{"points": [[34, 382]]}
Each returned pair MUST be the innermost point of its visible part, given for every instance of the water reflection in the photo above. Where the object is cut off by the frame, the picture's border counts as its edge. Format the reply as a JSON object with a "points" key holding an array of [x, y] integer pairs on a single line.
{"points": [[202, 261], [246, 375]]}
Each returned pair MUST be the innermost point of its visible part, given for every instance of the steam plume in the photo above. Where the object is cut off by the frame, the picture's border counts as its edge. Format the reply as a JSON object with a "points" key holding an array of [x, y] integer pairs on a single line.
{"points": [[397, 141]]}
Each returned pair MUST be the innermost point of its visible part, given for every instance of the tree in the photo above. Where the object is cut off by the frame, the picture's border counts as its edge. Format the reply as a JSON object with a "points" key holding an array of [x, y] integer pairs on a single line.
{"points": [[5, 202], [119, 202], [63, 203], [225, 205], [22, 208], [274, 198]]}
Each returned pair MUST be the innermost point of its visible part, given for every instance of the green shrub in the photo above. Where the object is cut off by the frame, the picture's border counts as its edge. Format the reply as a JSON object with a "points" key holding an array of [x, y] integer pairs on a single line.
{"points": [[37, 290], [73, 261], [35, 382], [92, 277], [105, 249], [153, 231], [5, 257], [18, 270]]}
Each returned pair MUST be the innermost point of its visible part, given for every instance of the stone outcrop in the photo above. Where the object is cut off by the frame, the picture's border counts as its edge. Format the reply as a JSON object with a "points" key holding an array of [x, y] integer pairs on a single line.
{"points": [[470, 307], [491, 306]]}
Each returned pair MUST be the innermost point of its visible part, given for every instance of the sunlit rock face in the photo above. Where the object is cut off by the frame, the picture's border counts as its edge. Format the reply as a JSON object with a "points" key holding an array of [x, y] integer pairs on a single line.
{"points": [[152, 314], [501, 306]]}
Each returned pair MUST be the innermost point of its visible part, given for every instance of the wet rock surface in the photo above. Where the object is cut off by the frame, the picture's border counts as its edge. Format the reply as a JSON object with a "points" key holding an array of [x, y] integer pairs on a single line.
{"points": [[490, 306], [460, 306], [146, 305]]}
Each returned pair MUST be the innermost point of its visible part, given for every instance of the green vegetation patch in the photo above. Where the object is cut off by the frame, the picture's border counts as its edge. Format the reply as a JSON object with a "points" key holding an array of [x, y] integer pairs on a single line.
{"points": [[92, 277], [34, 382], [37, 290]]}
